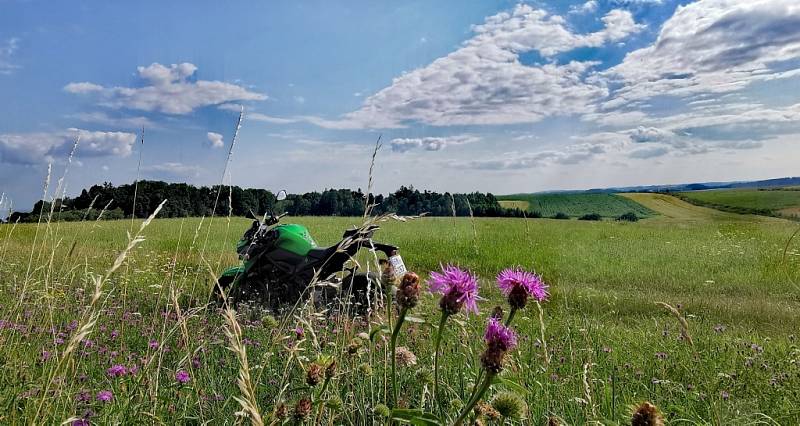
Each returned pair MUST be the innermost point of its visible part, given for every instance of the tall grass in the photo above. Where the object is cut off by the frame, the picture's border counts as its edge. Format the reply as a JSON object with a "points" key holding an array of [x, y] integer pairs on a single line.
{"points": [[67, 330]]}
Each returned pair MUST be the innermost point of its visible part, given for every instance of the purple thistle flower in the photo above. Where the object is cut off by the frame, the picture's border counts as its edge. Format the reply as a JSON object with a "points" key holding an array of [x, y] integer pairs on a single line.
{"points": [[299, 332], [105, 395], [182, 377], [153, 344], [80, 422], [83, 396], [458, 288], [518, 284], [499, 340], [499, 336], [117, 370]]}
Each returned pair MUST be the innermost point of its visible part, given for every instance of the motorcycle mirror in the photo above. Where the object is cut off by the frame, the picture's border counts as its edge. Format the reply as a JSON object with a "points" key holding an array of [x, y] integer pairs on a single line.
{"points": [[281, 195]]}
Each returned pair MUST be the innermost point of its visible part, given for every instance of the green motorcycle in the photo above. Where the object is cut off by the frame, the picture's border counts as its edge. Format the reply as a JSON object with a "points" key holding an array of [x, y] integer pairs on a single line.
{"points": [[280, 262]]}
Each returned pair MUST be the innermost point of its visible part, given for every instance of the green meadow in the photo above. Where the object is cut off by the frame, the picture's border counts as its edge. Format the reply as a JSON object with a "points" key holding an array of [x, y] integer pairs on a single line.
{"points": [[575, 205], [602, 345]]}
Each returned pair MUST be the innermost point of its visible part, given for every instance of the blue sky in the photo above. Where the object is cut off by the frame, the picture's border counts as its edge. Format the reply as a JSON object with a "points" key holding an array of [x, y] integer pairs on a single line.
{"points": [[496, 96]]}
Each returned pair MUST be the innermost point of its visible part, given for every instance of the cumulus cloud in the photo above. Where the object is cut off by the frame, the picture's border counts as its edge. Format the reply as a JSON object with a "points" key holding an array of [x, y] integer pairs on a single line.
{"points": [[713, 46], [215, 140], [485, 83], [650, 134], [37, 148], [7, 51], [570, 155], [168, 89], [429, 143]]}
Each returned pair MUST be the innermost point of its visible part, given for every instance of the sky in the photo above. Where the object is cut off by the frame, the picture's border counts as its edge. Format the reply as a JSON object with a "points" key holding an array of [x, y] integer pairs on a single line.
{"points": [[497, 96]]}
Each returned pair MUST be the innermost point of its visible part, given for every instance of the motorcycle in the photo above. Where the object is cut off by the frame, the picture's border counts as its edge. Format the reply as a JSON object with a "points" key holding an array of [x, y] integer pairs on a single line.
{"points": [[280, 261]]}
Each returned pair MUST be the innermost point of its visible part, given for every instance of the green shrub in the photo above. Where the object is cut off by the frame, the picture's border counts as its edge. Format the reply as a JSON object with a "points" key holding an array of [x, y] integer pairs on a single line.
{"points": [[628, 217], [561, 215], [591, 216]]}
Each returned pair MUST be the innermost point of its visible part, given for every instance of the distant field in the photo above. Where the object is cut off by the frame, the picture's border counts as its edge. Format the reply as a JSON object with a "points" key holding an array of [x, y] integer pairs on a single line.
{"points": [[778, 202], [515, 204], [576, 205]]}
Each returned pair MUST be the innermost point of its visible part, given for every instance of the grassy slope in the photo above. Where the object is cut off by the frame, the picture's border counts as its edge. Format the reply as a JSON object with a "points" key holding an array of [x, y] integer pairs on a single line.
{"points": [[515, 204], [575, 205], [605, 277], [774, 201]]}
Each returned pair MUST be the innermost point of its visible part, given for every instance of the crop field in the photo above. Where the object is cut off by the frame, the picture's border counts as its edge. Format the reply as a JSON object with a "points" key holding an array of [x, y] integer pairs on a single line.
{"points": [[576, 205], [140, 345], [783, 202]]}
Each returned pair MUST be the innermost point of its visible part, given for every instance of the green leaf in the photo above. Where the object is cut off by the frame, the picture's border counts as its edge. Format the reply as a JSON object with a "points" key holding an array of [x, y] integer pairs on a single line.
{"points": [[376, 330], [511, 385], [415, 319], [415, 417]]}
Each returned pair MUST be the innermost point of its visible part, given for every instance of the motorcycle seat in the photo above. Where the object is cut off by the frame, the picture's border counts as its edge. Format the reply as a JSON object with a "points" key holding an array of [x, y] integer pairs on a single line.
{"points": [[320, 253]]}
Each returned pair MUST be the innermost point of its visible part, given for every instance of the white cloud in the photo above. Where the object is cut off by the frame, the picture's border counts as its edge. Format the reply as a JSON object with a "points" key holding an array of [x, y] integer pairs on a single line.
{"points": [[650, 134], [37, 148], [484, 82], [586, 8], [172, 171], [7, 51], [215, 140], [429, 143], [649, 152], [122, 122], [713, 46], [167, 89], [83, 88], [570, 155]]}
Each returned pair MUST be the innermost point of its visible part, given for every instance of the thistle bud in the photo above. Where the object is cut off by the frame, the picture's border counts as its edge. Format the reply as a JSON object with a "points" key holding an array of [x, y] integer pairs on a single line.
{"points": [[451, 303], [646, 414], [497, 313], [408, 293], [282, 411], [509, 405], [381, 410], [404, 357], [302, 409], [313, 374], [353, 347], [518, 297], [330, 370]]}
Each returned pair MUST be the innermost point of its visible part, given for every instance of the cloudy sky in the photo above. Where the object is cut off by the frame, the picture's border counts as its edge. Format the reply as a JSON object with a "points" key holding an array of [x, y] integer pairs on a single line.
{"points": [[496, 96]]}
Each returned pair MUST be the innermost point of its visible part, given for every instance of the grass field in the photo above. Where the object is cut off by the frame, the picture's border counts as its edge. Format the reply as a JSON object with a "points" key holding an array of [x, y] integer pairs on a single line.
{"points": [[576, 205], [778, 202], [608, 343], [515, 204]]}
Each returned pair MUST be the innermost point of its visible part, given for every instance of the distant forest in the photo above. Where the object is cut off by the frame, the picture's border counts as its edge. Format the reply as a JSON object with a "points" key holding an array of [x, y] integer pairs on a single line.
{"points": [[184, 200]]}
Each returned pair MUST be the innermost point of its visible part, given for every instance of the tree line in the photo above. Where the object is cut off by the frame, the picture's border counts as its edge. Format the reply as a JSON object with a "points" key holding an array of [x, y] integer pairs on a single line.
{"points": [[184, 200]]}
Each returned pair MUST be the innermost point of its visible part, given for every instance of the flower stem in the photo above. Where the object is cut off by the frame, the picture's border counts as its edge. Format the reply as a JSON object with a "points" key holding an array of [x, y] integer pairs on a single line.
{"points": [[392, 343], [437, 344], [511, 316], [541, 330], [484, 386]]}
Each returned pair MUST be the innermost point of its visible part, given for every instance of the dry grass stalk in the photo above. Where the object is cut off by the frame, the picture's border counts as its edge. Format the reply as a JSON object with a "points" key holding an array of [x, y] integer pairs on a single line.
{"points": [[681, 320], [91, 313], [367, 205]]}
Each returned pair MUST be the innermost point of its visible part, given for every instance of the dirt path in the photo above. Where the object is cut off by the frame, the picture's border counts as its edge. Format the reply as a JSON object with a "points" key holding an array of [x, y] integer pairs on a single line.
{"points": [[674, 208]]}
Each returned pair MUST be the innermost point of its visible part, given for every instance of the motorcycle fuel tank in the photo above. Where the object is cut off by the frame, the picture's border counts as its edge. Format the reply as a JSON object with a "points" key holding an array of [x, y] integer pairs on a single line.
{"points": [[295, 239]]}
